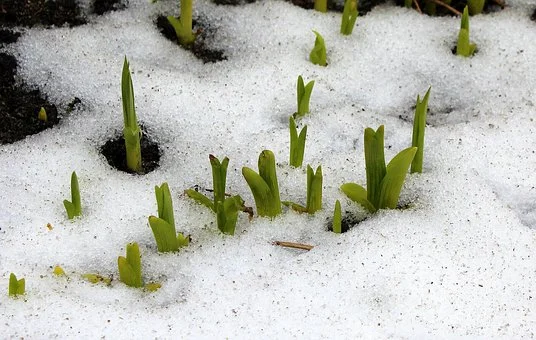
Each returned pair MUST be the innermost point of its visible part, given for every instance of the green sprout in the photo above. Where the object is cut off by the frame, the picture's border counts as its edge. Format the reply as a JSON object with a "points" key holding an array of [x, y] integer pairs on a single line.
{"points": [[297, 143], [226, 209], [408, 3], [96, 278], [42, 115], [349, 16], [163, 226], [131, 130], [321, 5], [264, 185], [383, 183], [465, 47], [304, 96], [16, 287], [130, 267], [314, 192], [183, 25], [318, 53], [476, 6], [337, 218], [74, 207], [419, 124]]}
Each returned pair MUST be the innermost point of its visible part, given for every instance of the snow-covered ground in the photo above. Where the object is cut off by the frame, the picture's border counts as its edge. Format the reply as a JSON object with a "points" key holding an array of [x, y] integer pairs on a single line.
{"points": [[459, 262]]}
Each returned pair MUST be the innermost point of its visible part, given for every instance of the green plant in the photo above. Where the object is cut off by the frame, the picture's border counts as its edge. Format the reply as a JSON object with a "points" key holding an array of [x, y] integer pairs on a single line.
{"points": [[408, 3], [131, 130], [349, 16], [42, 115], [318, 53], [16, 287], [297, 143], [163, 226], [130, 267], [383, 183], [74, 207], [476, 6], [304, 96], [321, 5], [314, 192], [183, 25], [264, 185], [419, 124], [464, 47], [337, 218], [226, 209]]}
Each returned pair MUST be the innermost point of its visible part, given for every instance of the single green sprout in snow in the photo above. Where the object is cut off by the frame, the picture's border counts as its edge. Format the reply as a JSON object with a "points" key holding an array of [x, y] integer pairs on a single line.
{"points": [[314, 192], [73, 207], [226, 208], [163, 226], [297, 143], [264, 185], [383, 183], [337, 218], [131, 130], [16, 287], [464, 47], [476, 6], [419, 124], [130, 266], [349, 16], [318, 53], [304, 96], [42, 115], [321, 5], [183, 25]]}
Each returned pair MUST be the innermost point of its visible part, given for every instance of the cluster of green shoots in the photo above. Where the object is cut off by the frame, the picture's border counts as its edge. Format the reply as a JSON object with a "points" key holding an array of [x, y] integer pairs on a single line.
{"points": [[464, 47], [16, 286]]}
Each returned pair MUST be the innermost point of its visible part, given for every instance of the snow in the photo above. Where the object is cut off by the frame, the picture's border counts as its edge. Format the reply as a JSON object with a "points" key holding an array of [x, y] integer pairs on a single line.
{"points": [[458, 262]]}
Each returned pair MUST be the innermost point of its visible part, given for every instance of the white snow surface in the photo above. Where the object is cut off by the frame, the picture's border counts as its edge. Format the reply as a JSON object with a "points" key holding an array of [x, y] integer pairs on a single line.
{"points": [[459, 262]]}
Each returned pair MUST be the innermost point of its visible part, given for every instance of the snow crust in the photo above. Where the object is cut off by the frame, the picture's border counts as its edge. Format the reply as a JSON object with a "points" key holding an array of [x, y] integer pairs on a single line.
{"points": [[458, 262]]}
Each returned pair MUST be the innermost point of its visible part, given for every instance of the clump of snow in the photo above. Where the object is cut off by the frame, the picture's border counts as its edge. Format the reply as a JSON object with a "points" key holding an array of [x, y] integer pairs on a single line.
{"points": [[458, 261]]}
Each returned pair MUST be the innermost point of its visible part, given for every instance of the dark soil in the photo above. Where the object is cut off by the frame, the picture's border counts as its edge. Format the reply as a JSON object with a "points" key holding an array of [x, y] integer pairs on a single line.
{"points": [[115, 153], [8, 36], [199, 48], [533, 17], [19, 106], [363, 6], [489, 6], [348, 221], [45, 12], [104, 6], [233, 2]]}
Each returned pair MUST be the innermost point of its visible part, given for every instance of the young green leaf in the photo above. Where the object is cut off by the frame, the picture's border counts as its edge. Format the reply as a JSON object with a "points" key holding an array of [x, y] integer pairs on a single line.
{"points": [[464, 47], [42, 115], [200, 198], [303, 96], [314, 189], [349, 16], [321, 5], [164, 203], [318, 53], [419, 125], [408, 3], [219, 177], [394, 179], [130, 267], [475, 6], [297, 143], [337, 218], [74, 207], [358, 194], [131, 130], [375, 163], [264, 185], [227, 214], [16, 287], [183, 25]]}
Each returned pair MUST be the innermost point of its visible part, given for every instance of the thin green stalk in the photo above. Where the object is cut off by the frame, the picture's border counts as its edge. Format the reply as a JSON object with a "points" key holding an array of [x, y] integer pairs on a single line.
{"points": [[318, 53], [73, 207], [337, 218], [419, 125], [476, 6], [375, 163], [303, 96], [131, 130], [314, 189], [349, 17], [464, 47], [130, 267], [183, 25], [321, 5], [297, 144], [219, 177], [16, 287]]}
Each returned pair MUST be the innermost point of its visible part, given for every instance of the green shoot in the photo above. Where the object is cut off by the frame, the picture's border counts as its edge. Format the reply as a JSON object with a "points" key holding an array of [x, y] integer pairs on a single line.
{"points": [[475, 6], [42, 115], [264, 185], [314, 192], [58, 271], [419, 124], [297, 143], [130, 267], [16, 287], [464, 46], [183, 25], [337, 218], [304, 96], [96, 278], [131, 130], [321, 5], [408, 3], [226, 209], [318, 53], [383, 183], [349, 16], [163, 226], [74, 207]]}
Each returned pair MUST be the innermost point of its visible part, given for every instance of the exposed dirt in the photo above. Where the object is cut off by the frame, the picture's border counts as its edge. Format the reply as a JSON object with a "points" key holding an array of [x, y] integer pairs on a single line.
{"points": [[533, 17], [199, 48], [101, 7], [431, 8], [364, 6], [44, 12], [233, 2], [115, 153], [348, 221]]}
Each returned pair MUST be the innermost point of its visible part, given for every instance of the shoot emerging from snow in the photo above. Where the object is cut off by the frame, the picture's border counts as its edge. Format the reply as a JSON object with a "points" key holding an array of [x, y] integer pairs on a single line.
{"points": [[42, 115], [349, 16], [475, 6], [321, 5], [464, 47], [131, 130], [16, 287], [314, 192], [304, 96], [183, 24], [337, 218], [73, 207], [130, 266], [318, 53], [297, 144], [419, 124]]}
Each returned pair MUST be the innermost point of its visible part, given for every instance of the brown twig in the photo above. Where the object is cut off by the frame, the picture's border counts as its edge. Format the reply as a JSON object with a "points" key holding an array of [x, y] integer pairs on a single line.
{"points": [[417, 7], [293, 245], [452, 9]]}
